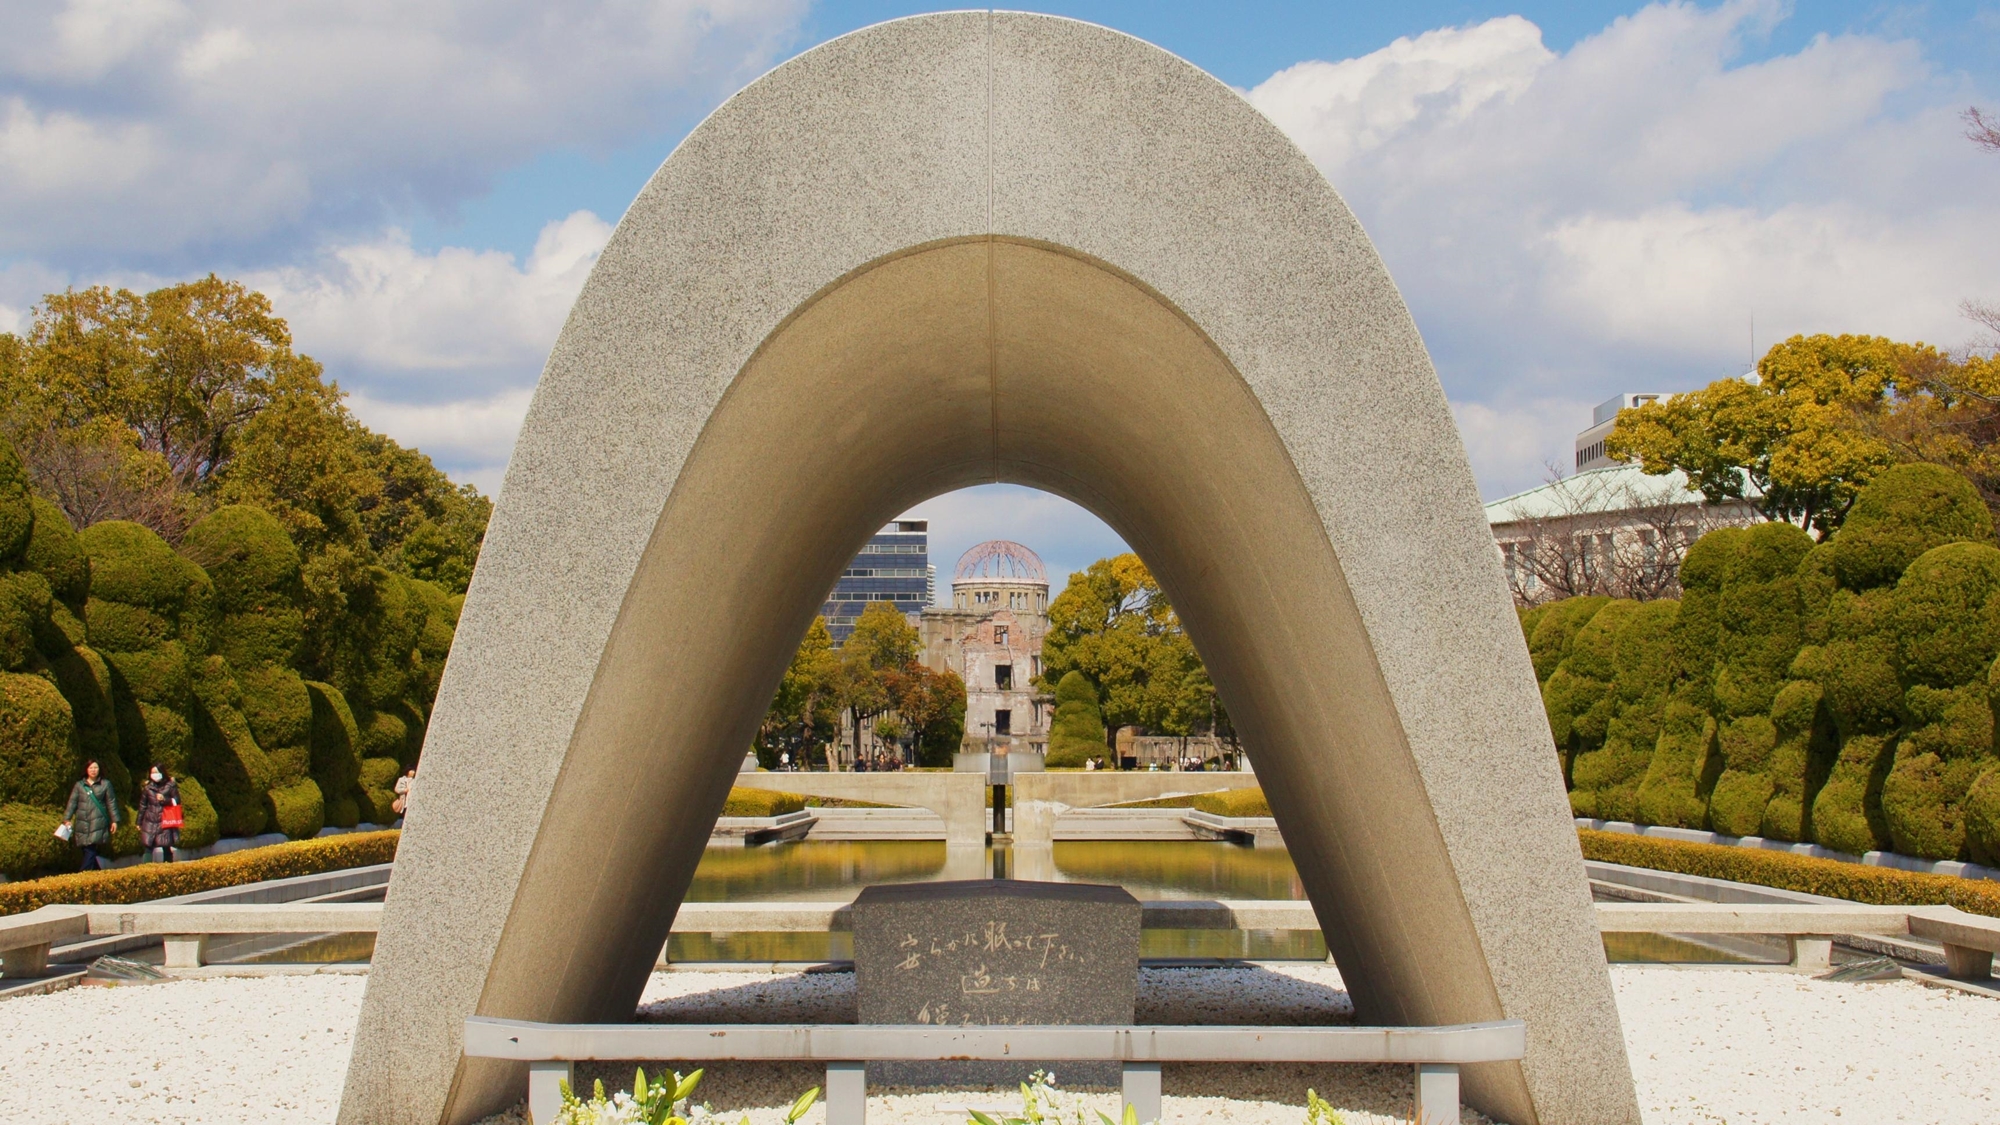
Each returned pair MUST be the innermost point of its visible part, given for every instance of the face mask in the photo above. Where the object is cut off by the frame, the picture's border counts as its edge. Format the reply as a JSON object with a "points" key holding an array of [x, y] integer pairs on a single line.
{"points": [[156, 775]]}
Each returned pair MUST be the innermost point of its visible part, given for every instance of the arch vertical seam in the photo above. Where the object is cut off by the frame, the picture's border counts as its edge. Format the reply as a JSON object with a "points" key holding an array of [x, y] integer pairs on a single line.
{"points": [[992, 307]]}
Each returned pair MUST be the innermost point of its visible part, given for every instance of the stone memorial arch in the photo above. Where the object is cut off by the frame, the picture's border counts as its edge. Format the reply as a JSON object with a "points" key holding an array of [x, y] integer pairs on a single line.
{"points": [[939, 252]]}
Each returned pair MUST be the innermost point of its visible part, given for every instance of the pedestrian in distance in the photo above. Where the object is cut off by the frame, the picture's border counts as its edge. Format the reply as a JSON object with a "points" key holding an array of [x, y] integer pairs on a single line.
{"points": [[91, 817], [405, 785], [160, 829]]}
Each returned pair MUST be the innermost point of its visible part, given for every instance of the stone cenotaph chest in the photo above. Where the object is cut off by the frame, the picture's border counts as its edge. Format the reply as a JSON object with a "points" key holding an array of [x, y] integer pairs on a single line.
{"points": [[994, 952]]}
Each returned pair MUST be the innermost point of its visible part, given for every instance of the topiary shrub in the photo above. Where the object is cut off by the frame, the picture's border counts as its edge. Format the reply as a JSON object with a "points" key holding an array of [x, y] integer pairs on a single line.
{"points": [[17, 512], [1646, 672], [289, 766], [336, 760], [202, 827], [1556, 628], [1698, 624], [1982, 819], [84, 679], [149, 609], [298, 809], [1949, 745], [28, 845], [232, 767], [1577, 695], [250, 558], [1673, 792], [1942, 615], [1076, 733], [1744, 788], [384, 734], [38, 758], [1904, 512], [1603, 703], [24, 606], [1759, 617], [131, 566], [1804, 754], [1846, 815], [54, 553], [276, 704], [378, 789]]}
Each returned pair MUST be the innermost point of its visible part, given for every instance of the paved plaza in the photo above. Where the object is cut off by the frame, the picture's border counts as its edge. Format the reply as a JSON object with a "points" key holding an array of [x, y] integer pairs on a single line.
{"points": [[1744, 1046]]}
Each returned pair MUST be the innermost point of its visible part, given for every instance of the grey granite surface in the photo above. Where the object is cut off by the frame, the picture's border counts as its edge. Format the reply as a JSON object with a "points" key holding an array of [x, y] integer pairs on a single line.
{"points": [[935, 252]]}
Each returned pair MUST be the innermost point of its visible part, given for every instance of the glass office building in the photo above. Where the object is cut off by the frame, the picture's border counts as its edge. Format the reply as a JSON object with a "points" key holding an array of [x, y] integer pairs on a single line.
{"points": [[894, 567]]}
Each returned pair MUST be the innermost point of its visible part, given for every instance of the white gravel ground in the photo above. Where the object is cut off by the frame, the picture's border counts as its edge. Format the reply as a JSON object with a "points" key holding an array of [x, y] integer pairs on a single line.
{"points": [[1707, 1045]]}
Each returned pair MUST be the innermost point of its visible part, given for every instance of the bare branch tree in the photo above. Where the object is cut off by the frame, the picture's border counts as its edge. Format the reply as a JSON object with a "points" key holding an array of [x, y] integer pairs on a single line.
{"points": [[1981, 129], [95, 473], [1606, 534], [1986, 315]]}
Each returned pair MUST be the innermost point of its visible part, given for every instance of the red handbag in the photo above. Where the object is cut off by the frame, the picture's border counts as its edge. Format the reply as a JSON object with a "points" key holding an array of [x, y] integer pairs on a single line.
{"points": [[170, 816]]}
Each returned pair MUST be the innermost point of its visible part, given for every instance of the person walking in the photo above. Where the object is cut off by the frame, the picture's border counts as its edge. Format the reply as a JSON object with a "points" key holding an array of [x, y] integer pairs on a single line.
{"points": [[157, 794], [405, 785], [91, 815]]}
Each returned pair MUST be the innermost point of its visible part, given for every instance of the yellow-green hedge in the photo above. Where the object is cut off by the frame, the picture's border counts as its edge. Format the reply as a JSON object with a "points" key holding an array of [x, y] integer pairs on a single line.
{"points": [[1227, 802], [1855, 882], [761, 802], [164, 880]]}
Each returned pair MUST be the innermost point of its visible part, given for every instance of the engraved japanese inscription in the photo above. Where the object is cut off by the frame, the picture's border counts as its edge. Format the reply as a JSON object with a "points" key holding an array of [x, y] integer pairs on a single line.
{"points": [[996, 952]]}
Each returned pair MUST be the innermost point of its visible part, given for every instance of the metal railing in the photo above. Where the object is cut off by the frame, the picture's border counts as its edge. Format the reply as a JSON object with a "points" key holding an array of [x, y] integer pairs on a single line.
{"points": [[1434, 1053]]}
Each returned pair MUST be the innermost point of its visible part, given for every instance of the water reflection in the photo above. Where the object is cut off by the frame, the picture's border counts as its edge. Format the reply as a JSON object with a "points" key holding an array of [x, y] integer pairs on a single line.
{"points": [[814, 870], [835, 870]]}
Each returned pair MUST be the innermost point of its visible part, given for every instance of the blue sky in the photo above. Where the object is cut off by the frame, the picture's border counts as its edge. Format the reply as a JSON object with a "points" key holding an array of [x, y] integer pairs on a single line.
{"points": [[1577, 199]]}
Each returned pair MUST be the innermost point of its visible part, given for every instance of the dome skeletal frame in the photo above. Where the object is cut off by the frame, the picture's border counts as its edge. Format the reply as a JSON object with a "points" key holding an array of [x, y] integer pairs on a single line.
{"points": [[1000, 561]]}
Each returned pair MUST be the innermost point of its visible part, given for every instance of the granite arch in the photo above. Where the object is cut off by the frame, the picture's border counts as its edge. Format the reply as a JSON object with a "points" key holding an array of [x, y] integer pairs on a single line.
{"points": [[936, 252]]}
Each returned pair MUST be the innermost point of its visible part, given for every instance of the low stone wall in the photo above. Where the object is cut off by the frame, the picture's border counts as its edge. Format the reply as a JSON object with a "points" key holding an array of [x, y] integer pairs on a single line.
{"points": [[959, 799], [1040, 799]]}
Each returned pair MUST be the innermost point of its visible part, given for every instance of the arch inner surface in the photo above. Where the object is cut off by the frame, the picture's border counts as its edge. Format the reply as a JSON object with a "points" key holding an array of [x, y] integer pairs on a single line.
{"points": [[974, 361]]}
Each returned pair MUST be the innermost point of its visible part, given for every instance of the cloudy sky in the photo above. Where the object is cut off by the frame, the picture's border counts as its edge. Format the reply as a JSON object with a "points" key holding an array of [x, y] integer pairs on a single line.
{"points": [[1578, 199]]}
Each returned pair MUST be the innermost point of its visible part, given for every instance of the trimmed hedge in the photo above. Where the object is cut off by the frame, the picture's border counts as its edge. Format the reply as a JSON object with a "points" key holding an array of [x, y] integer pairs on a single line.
{"points": [[197, 659], [1884, 886], [1842, 693], [761, 802], [1227, 802], [851, 803], [149, 881]]}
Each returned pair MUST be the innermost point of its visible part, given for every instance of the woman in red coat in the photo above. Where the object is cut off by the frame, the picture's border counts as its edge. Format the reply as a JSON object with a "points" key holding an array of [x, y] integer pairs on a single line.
{"points": [[158, 793]]}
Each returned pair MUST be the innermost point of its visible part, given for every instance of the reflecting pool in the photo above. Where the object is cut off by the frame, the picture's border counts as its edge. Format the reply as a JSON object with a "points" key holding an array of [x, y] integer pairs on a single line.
{"points": [[835, 870]]}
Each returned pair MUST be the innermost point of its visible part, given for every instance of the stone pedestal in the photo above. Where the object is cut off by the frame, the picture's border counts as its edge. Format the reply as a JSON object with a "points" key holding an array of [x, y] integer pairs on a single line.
{"points": [[1962, 962], [1812, 953]]}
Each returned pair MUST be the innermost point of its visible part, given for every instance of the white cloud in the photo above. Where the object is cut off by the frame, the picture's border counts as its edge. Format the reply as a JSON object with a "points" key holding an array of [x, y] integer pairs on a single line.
{"points": [[1337, 111], [383, 305], [161, 126], [1569, 226], [473, 436], [1658, 276], [438, 350], [1522, 442], [92, 36]]}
